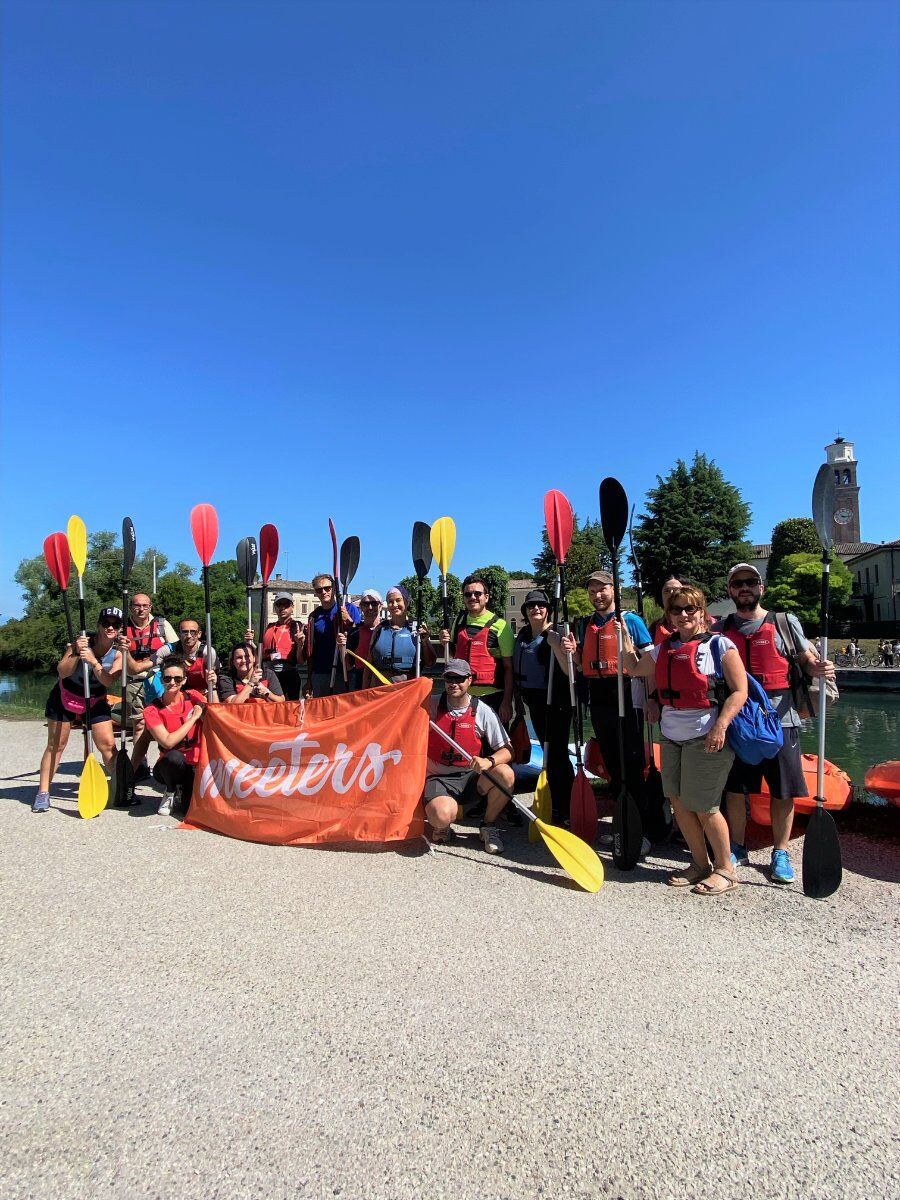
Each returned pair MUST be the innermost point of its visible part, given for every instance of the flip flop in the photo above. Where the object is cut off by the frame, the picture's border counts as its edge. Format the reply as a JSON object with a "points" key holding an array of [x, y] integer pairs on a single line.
{"points": [[703, 889], [691, 875]]}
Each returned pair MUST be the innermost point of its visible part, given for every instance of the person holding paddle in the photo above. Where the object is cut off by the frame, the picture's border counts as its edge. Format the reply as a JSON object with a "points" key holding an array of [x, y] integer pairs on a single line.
{"points": [[485, 642], [282, 645], [695, 717], [143, 636], [393, 646], [322, 628], [244, 682], [537, 650], [173, 722], [454, 785], [66, 701], [359, 639]]}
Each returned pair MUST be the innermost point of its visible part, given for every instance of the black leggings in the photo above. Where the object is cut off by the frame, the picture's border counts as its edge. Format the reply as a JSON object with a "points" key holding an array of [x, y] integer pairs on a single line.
{"points": [[173, 771], [554, 724], [605, 720]]}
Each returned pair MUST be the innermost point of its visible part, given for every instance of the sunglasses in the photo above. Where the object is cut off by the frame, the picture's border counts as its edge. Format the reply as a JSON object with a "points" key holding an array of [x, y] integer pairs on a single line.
{"points": [[688, 609], [189, 632], [535, 604], [749, 583], [369, 604], [111, 622], [456, 678], [321, 590], [173, 679], [473, 595]]}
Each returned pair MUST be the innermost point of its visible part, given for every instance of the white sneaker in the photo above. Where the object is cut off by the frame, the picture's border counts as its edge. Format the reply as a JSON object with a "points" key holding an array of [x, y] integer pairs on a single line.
{"points": [[490, 835], [165, 805]]}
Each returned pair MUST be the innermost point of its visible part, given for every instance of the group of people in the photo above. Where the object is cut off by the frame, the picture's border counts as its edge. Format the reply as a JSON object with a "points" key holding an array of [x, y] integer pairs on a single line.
{"points": [[685, 673]]}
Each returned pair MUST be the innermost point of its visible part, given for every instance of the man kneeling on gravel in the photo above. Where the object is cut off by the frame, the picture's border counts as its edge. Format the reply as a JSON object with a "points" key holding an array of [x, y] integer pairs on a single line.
{"points": [[454, 785]]}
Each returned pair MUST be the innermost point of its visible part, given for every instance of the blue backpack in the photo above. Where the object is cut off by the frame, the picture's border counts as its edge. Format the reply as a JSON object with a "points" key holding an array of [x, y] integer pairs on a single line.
{"points": [[755, 733]]}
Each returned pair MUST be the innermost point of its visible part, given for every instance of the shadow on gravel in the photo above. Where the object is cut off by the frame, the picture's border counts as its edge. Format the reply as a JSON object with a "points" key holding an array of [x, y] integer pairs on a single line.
{"points": [[505, 862]]}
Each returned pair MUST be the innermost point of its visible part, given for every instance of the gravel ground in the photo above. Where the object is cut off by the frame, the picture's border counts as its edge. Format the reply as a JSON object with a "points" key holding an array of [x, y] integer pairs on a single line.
{"points": [[188, 1016]]}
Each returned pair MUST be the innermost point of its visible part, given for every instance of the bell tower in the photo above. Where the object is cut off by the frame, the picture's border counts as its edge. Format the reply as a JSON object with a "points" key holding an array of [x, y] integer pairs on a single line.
{"points": [[845, 525]]}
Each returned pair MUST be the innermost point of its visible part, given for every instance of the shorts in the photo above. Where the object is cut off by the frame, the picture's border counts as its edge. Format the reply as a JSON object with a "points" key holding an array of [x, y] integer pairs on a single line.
{"points": [[783, 773], [461, 784], [54, 709], [134, 690], [695, 777]]}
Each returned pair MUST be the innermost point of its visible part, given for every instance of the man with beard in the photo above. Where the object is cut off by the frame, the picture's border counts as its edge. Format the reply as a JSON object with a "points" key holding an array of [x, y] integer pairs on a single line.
{"points": [[758, 639]]}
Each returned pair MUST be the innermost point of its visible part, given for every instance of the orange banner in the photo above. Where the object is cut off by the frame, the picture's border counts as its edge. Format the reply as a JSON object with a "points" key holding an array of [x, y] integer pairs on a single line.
{"points": [[336, 769]]}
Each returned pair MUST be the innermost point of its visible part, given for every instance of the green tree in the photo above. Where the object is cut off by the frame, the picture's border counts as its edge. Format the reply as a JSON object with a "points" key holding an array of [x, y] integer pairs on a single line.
{"points": [[797, 587], [796, 535], [588, 552], [696, 523], [431, 599], [497, 580]]}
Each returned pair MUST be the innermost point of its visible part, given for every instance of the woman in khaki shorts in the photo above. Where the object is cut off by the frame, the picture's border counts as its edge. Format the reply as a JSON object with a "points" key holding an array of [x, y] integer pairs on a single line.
{"points": [[695, 715]]}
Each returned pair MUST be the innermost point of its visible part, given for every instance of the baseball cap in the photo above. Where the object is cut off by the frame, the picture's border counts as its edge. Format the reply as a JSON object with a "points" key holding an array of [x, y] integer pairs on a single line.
{"points": [[279, 596], [744, 567], [598, 577], [111, 611], [457, 666]]}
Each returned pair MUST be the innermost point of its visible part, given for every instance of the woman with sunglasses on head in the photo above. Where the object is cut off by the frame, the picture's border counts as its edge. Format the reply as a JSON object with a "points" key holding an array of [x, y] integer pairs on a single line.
{"points": [[245, 683], [322, 628], [359, 639], [66, 701], [538, 648], [696, 713], [174, 724], [393, 646]]}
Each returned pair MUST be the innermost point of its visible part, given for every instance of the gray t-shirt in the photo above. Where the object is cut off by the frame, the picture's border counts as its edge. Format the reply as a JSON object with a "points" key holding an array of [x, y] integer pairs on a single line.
{"points": [[782, 702], [487, 725]]}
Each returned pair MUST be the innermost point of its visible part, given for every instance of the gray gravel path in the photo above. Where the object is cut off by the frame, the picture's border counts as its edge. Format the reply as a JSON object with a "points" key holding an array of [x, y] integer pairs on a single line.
{"points": [[188, 1016]]}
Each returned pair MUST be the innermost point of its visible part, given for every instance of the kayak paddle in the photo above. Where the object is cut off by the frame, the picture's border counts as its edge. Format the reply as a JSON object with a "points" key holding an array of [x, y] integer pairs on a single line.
{"points": [[348, 566], [268, 557], [443, 543], [336, 596], [124, 769], [627, 831], [422, 557], [59, 563], [247, 560], [822, 869], [205, 532], [93, 789], [576, 859]]}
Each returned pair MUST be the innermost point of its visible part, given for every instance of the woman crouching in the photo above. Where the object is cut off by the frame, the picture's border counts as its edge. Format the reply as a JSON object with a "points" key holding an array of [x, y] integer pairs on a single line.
{"points": [[696, 713], [174, 724]]}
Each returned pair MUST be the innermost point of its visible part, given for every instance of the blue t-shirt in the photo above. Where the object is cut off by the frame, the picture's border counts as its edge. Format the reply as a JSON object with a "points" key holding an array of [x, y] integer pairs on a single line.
{"points": [[323, 634]]}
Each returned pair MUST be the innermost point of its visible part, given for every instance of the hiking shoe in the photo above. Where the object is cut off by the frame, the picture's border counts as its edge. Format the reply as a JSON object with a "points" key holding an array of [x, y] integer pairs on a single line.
{"points": [[41, 802], [441, 837], [165, 805], [605, 839], [739, 855], [782, 871], [512, 817], [490, 835]]}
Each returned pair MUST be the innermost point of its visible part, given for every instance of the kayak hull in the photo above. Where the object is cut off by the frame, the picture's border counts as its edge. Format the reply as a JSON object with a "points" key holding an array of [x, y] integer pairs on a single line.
{"points": [[836, 785], [884, 780]]}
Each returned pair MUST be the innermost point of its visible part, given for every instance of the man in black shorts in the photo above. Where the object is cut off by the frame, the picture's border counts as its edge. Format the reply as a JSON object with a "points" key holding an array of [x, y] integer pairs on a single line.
{"points": [[454, 785]]}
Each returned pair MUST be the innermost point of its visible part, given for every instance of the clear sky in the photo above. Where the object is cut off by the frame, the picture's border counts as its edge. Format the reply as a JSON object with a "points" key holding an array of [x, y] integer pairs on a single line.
{"points": [[387, 261]]}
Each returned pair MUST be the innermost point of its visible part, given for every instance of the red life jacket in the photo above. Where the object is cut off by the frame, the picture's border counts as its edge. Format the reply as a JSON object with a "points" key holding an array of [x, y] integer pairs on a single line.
{"points": [[471, 644], [281, 638], [461, 729], [759, 654], [143, 643], [599, 650], [364, 644], [196, 673], [659, 631], [679, 682]]}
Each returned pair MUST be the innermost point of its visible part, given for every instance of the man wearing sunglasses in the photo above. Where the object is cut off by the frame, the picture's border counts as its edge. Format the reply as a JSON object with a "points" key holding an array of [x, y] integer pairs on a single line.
{"points": [[485, 641], [455, 784], [756, 634], [359, 639], [322, 629], [143, 636], [282, 646]]}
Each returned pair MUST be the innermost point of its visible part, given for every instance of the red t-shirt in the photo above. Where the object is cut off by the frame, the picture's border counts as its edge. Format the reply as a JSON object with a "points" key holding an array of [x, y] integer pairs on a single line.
{"points": [[172, 717], [281, 638]]}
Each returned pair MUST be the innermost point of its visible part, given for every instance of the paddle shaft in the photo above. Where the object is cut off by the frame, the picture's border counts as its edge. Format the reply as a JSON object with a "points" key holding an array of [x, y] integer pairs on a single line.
{"points": [[123, 730], [824, 612], [418, 625], [620, 676], [337, 629], [209, 686], [446, 614], [86, 676]]}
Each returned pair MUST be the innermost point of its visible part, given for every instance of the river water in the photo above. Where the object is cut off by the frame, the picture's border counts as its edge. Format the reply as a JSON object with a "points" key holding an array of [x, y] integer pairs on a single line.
{"points": [[863, 727]]}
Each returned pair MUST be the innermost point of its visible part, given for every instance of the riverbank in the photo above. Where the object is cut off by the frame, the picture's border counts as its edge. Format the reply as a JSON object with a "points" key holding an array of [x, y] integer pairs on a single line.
{"points": [[196, 1016]]}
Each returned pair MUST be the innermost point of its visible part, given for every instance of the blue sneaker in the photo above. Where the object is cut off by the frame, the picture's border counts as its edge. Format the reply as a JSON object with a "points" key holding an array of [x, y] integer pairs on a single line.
{"points": [[782, 871], [41, 802], [739, 855]]}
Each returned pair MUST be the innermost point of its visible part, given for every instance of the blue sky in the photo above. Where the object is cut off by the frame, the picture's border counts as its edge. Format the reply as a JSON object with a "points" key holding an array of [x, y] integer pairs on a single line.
{"points": [[389, 261]]}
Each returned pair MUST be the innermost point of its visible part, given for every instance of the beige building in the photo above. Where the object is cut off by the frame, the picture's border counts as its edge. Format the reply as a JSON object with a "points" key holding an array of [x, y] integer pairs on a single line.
{"points": [[305, 599], [876, 582], [517, 590], [845, 551]]}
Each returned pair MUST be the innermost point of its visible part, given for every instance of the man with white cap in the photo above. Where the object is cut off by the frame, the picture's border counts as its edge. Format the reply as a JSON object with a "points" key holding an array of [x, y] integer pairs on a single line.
{"points": [[772, 647], [359, 639], [456, 784]]}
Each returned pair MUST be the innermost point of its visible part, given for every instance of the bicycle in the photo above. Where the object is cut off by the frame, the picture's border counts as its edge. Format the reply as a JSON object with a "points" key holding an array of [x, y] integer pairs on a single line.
{"points": [[847, 660]]}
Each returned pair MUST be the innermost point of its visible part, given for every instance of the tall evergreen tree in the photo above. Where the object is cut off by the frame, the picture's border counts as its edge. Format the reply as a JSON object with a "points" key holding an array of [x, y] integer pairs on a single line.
{"points": [[587, 553], [696, 524]]}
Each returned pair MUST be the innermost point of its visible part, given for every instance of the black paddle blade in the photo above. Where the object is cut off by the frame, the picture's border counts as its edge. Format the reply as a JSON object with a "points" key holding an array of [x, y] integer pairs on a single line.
{"points": [[821, 856], [823, 504], [349, 561], [124, 780], [422, 554], [659, 826], [247, 560], [129, 548], [627, 831], [613, 512]]}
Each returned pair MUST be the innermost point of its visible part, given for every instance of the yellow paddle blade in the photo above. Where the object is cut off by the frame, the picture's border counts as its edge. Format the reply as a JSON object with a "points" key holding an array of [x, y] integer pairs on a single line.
{"points": [[365, 662], [443, 542], [574, 856], [93, 789], [543, 805], [76, 532]]}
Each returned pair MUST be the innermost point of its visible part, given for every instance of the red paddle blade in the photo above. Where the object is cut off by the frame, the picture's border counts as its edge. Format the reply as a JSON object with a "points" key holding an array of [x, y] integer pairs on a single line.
{"points": [[205, 531], [58, 558], [558, 518], [583, 809], [334, 547], [593, 759], [268, 550]]}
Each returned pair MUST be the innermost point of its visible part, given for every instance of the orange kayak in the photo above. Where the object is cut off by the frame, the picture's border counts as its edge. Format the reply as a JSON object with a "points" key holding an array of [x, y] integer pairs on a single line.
{"points": [[884, 780], [837, 787]]}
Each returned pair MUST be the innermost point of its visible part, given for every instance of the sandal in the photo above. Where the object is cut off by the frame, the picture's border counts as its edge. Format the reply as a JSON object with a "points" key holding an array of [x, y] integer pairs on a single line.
{"points": [[695, 873], [706, 889]]}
